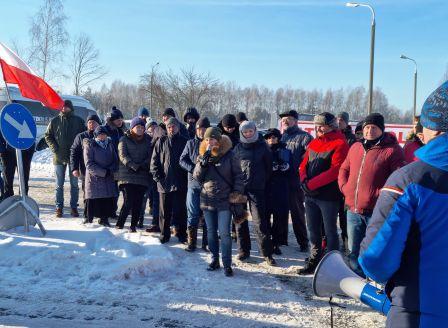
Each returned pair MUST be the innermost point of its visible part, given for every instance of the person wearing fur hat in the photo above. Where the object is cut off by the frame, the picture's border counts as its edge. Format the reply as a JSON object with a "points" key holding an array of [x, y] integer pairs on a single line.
{"points": [[318, 175], [60, 134], [100, 188], [406, 241], [134, 152], [362, 175], [219, 173], [76, 152], [191, 116], [276, 193], [256, 163], [188, 162], [171, 181], [230, 127]]}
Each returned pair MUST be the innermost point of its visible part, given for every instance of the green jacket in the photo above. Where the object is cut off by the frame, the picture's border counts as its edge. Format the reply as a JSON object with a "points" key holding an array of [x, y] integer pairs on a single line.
{"points": [[61, 133]]}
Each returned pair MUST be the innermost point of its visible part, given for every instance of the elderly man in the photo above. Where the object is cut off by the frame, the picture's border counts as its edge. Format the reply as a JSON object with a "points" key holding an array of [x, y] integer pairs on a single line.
{"points": [[171, 181], [318, 174]]}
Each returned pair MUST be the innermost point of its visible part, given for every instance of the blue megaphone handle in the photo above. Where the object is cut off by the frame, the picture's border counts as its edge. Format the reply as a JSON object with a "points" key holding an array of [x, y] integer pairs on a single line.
{"points": [[375, 298]]}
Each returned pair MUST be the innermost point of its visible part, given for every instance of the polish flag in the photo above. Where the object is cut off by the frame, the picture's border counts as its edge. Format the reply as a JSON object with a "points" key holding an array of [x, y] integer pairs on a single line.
{"points": [[15, 71]]}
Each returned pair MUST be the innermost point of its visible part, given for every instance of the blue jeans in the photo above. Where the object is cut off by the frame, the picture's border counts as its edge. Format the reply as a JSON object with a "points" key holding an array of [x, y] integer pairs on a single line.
{"points": [[356, 230], [320, 212], [59, 170], [193, 206], [219, 220]]}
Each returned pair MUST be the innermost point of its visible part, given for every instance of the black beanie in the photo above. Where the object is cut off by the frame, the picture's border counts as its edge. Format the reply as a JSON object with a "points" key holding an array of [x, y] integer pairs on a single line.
{"points": [[94, 117], [68, 103], [375, 119], [115, 114], [203, 122], [229, 121], [169, 112]]}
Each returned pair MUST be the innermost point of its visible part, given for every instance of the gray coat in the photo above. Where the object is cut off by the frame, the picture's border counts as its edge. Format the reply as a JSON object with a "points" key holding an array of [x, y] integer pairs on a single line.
{"points": [[219, 178], [134, 160], [98, 161]]}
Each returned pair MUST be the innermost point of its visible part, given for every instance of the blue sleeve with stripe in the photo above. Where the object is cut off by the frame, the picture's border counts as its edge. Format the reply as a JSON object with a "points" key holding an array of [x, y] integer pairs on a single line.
{"points": [[388, 229]]}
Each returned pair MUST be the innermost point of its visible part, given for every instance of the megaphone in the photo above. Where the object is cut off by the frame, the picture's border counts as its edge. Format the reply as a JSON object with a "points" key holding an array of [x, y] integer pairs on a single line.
{"points": [[334, 277]]}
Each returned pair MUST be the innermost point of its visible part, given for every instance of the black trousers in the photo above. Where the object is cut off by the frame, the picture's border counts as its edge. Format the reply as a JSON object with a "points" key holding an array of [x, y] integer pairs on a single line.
{"points": [[10, 163], [243, 237], [343, 219], [173, 204], [132, 202], [277, 207], [260, 223], [297, 209]]}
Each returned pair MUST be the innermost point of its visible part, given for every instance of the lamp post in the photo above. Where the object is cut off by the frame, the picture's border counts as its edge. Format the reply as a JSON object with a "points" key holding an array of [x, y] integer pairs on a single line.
{"points": [[372, 50], [151, 87], [415, 81]]}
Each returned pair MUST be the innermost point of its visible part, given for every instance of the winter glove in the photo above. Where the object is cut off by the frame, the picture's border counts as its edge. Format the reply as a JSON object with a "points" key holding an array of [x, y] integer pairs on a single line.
{"points": [[308, 192], [204, 160]]}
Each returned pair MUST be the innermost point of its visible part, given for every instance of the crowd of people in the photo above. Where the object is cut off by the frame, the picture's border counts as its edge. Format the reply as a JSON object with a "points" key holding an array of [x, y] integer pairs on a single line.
{"points": [[390, 201]]}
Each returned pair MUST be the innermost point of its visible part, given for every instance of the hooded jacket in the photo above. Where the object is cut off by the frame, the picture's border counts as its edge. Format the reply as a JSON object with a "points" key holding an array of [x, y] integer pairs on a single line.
{"points": [[321, 163], [406, 241], [191, 111], [61, 133], [364, 172], [219, 178]]}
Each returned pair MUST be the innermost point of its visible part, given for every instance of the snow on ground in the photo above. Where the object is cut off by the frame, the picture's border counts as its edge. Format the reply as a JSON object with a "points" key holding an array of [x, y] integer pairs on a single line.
{"points": [[87, 275]]}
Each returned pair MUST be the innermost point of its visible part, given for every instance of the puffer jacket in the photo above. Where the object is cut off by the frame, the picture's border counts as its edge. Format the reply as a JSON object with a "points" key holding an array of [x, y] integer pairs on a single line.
{"points": [[296, 141], [61, 133], [165, 164], [320, 166], [364, 172], [76, 154], [134, 158], [99, 184], [256, 163], [221, 177], [188, 160]]}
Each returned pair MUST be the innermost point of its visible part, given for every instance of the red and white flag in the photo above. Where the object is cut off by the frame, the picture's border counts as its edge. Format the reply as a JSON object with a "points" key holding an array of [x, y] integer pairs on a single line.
{"points": [[15, 71]]}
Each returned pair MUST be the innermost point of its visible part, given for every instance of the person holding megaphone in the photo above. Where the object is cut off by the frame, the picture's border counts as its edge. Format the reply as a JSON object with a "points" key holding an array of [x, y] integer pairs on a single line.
{"points": [[406, 239]]}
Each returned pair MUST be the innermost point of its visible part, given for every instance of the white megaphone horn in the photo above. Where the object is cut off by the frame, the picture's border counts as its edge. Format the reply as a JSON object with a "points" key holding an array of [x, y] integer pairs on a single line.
{"points": [[333, 277]]}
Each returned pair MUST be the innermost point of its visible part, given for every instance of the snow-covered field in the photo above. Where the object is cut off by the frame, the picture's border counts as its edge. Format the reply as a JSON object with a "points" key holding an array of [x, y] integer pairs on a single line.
{"points": [[87, 275]]}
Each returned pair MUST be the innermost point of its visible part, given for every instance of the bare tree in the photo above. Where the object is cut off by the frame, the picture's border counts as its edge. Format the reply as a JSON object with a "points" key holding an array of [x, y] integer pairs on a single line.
{"points": [[48, 35], [85, 67]]}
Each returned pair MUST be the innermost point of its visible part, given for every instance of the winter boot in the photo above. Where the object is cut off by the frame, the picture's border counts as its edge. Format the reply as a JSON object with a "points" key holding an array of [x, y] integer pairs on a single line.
{"points": [[140, 223], [270, 261], [59, 213], [228, 272], [309, 267], [153, 228], [104, 222], [214, 265], [204, 238], [74, 212], [277, 250], [243, 256], [192, 237]]}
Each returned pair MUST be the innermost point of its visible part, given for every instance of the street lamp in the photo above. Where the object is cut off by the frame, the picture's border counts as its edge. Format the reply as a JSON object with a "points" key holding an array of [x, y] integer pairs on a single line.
{"points": [[415, 81], [372, 49], [152, 78]]}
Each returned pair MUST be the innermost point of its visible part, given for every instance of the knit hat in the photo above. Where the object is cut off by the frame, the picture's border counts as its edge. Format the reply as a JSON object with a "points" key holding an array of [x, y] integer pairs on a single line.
{"points": [[137, 121], [149, 123], [213, 132], [375, 119], [434, 114], [240, 117], [93, 117], [115, 114], [229, 121], [100, 129], [203, 122], [247, 125], [143, 112], [169, 112], [292, 113], [345, 116], [359, 126], [68, 103], [171, 121], [326, 118], [273, 132]]}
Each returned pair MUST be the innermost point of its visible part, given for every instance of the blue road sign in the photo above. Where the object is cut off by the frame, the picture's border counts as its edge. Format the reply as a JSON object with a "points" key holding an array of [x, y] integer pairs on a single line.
{"points": [[17, 126]]}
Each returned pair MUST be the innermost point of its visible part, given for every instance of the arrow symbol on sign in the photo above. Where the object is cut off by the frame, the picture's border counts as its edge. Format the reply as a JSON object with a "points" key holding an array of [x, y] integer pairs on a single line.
{"points": [[24, 129]]}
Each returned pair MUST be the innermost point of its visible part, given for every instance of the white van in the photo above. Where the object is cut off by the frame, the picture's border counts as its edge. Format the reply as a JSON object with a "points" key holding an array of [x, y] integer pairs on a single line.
{"points": [[42, 115]]}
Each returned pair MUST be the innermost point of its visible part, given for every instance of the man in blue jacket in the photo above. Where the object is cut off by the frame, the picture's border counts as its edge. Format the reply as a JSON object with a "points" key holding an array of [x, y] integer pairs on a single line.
{"points": [[406, 240]]}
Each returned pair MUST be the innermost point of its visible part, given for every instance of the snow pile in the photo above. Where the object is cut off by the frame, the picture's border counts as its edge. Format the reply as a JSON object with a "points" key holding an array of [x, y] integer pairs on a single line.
{"points": [[79, 256], [42, 163]]}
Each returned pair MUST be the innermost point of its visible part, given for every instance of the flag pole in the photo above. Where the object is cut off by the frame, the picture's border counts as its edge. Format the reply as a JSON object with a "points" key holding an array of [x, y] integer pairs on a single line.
{"points": [[19, 162]]}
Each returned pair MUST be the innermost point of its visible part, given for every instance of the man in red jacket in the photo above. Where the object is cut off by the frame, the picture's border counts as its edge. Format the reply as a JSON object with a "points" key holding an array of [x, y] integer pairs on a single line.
{"points": [[364, 172], [318, 174]]}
